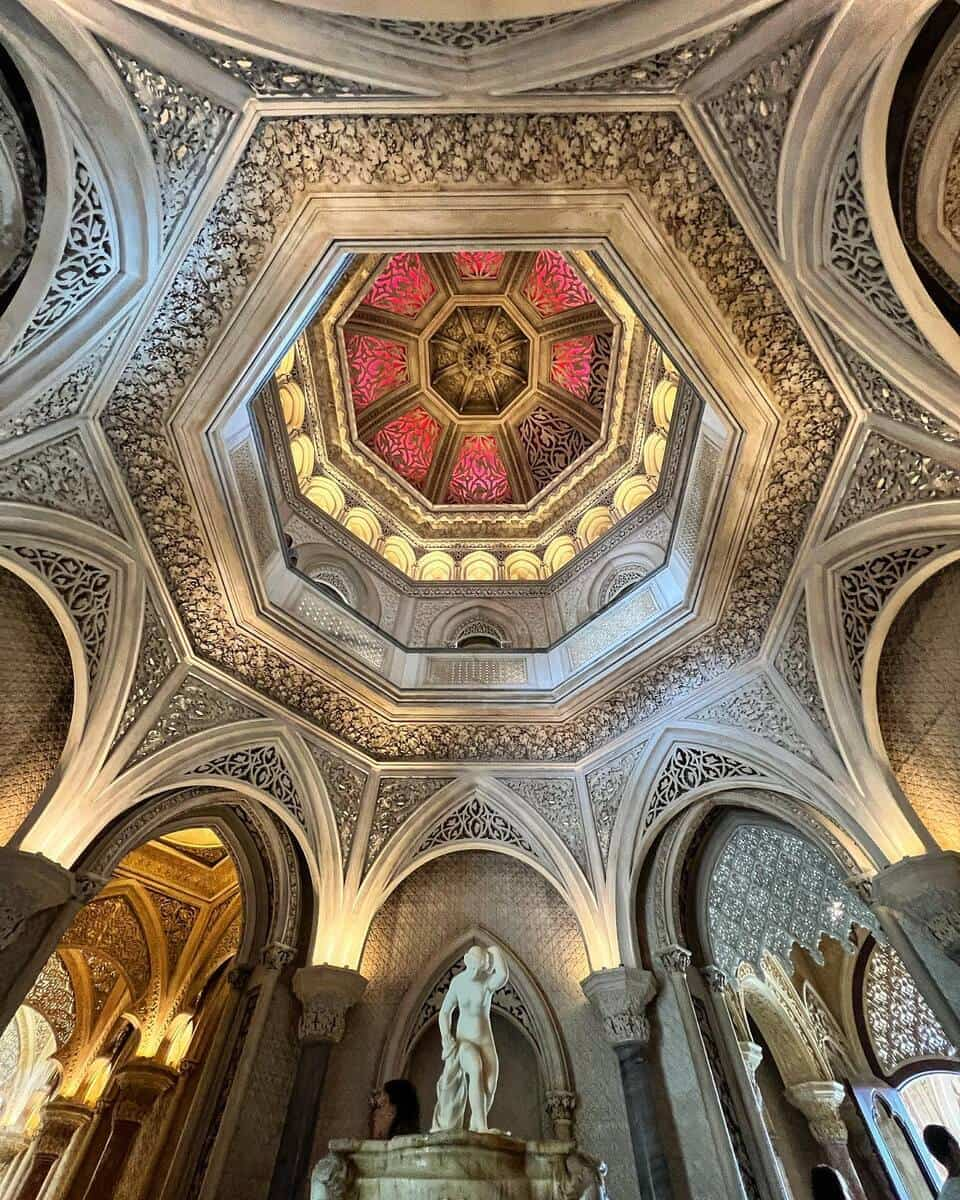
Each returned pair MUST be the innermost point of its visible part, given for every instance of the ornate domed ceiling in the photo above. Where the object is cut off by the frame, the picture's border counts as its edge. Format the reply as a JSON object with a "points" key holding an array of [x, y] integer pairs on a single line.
{"points": [[477, 414]]}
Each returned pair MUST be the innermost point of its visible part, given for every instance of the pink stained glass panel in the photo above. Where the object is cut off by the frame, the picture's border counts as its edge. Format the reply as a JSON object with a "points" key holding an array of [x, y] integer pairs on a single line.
{"points": [[479, 476], [407, 444], [403, 286], [553, 286], [570, 364], [377, 366], [479, 264]]}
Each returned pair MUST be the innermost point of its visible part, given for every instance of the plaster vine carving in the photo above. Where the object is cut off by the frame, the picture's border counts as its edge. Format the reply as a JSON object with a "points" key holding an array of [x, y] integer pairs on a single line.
{"points": [[751, 117], [345, 784], [459, 36], [933, 100], [900, 1023], [506, 1000], [58, 475], [183, 131], [63, 399], [89, 260], [605, 787], [852, 252], [556, 801], [111, 925], [86, 590], [649, 153], [688, 768], [888, 475], [177, 919], [475, 821], [269, 78], [771, 888], [727, 1106], [794, 661], [663, 72], [757, 707], [194, 707], [155, 661], [397, 798], [26, 161], [262, 767], [865, 588], [880, 396], [53, 997]]}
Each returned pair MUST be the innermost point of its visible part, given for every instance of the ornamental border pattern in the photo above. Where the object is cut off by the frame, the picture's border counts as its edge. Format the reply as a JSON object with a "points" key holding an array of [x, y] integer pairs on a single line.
{"points": [[643, 151]]}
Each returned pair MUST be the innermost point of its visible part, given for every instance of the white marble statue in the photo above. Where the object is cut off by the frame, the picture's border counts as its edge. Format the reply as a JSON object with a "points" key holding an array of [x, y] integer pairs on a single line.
{"points": [[470, 1064]]}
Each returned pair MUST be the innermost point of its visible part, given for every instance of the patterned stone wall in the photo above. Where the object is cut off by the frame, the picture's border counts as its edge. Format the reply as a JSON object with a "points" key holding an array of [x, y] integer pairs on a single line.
{"points": [[36, 699], [429, 910], [918, 700]]}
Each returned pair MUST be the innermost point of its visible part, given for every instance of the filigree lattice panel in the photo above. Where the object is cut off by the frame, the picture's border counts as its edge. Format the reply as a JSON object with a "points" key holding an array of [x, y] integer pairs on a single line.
{"points": [[344, 783], [770, 889], [397, 798], [605, 787], [900, 1023], [195, 706], [156, 660], [263, 767], [918, 702], [53, 997], [36, 699], [58, 475], [879, 395], [794, 661], [475, 821], [689, 768]]}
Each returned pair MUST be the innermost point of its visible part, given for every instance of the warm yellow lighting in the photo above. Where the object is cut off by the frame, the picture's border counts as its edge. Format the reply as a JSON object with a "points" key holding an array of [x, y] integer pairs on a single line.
{"points": [[437, 566], [293, 404], [326, 494], [303, 456], [663, 400], [200, 839], [594, 523], [363, 524], [287, 363], [398, 551], [521, 564], [559, 552], [632, 493], [479, 566], [178, 1039], [98, 1079], [654, 447]]}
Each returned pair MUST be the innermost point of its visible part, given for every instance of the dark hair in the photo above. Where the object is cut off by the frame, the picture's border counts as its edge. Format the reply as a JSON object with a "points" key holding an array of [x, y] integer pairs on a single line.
{"points": [[403, 1097], [940, 1142], [826, 1184]]}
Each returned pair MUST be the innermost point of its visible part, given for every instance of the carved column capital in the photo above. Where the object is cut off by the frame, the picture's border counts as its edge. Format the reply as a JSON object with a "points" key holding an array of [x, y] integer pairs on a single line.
{"points": [[86, 886], [560, 1108], [752, 1056], [820, 1101], [238, 976], [675, 959], [715, 979], [326, 993], [276, 956], [11, 1143], [926, 891], [136, 1087], [620, 997], [59, 1121]]}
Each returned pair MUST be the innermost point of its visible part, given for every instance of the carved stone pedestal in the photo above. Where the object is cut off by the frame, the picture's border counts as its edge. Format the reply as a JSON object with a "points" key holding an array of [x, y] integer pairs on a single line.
{"points": [[470, 1166]]}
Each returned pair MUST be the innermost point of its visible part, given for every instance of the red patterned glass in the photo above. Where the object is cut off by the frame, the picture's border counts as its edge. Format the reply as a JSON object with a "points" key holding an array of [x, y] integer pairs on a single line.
{"points": [[377, 366], [570, 364], [407, 444], [553, 286], [479, 476], [403, 286], [479, 264]]}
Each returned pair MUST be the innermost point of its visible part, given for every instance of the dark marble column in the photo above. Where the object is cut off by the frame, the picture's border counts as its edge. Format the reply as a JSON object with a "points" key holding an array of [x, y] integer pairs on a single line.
{"points": [[326, 994], [620, 997]]}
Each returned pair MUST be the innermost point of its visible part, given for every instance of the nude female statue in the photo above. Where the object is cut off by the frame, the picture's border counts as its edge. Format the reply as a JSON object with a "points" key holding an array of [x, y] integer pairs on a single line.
{"points": [[470, 1064]]}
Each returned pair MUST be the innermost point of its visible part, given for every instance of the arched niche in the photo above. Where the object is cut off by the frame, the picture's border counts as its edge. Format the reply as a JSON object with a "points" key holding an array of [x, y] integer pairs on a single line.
{"points": [[36, 699], [522, 1015], [918, 702]]}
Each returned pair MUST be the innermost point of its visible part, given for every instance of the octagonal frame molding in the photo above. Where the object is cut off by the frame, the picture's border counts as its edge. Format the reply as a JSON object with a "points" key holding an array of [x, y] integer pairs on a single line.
{"points": [[283, 295]]}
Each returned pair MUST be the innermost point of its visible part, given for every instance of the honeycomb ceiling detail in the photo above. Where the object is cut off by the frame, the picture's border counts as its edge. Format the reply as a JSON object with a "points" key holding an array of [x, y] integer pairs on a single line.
{"points": [[473, 414]]}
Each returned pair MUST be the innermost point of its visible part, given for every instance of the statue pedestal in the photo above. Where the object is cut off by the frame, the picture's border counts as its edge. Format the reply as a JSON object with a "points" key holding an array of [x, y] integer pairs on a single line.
{"points": [[470, 1166]]}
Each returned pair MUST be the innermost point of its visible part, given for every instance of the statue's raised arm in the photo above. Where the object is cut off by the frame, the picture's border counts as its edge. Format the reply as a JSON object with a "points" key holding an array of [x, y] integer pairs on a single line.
{"points": [[499, 973]]}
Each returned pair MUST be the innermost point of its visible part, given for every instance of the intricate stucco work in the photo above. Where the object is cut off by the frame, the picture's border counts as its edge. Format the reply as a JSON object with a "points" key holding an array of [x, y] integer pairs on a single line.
{"points": [[606, 787], [794, 661], [757, 707], [195, 706], [900, 1024], [58, 475], [770, 889], [644, 152], [397, 798], [556, 802], [156, 660]]}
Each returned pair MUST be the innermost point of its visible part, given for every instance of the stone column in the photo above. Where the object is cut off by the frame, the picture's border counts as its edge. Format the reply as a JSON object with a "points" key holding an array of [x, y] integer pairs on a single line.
{"points": [[820, 1101], [12, 1146], [560, 1108], [60, 1132], [38, 899], [135, 1089], [918, 903], [325, 993], [620, 997]]}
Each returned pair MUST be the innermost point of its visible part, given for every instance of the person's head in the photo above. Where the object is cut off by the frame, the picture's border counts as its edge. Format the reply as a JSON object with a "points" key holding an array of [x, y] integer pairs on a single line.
{"points": [[826, 1184], [944, 1147], [395, 1110], [474, 960]]}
